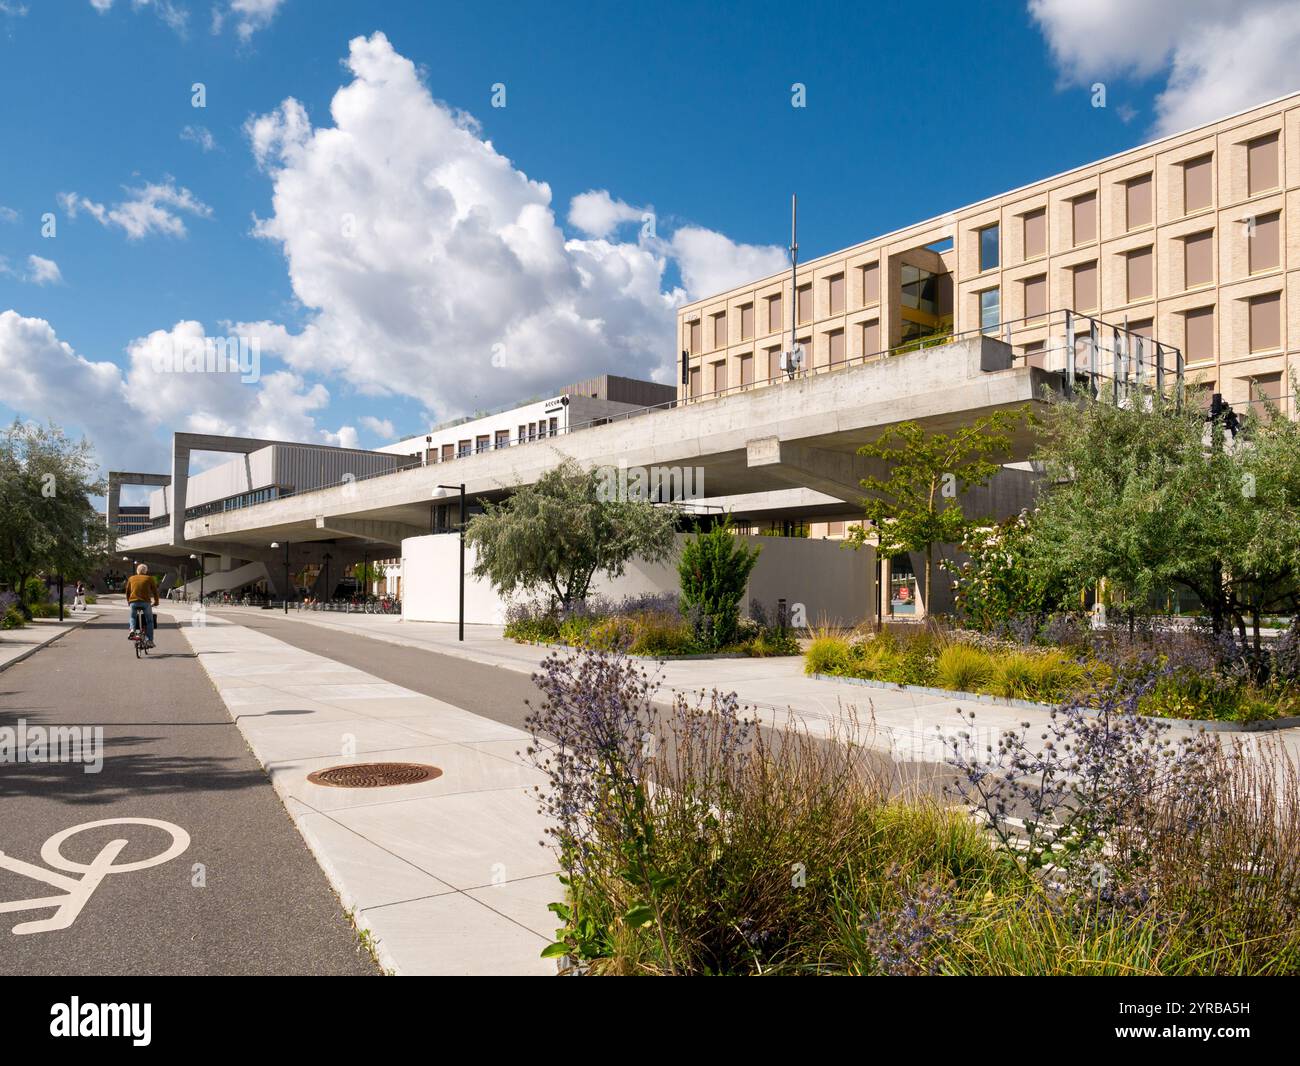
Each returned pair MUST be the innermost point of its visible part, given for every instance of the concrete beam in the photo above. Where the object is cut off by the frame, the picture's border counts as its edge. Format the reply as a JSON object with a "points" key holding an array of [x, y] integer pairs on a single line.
{"points": [[378, 532], [837, 474], [116, 479]]}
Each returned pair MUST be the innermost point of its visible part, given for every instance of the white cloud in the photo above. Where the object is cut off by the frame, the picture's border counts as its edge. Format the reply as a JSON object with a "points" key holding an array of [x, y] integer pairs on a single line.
{"points": [[122, 410], [200, 135], [43, 271], [174, 16], [598, 214], [155, 207], [380, 427], [249, 15], [1220, 56], [8, 214], [432, 267], [710, 262]]}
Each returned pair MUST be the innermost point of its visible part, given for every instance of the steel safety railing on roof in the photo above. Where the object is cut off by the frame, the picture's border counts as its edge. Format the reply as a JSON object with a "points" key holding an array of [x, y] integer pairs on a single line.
{"points": [[1101, 353]]}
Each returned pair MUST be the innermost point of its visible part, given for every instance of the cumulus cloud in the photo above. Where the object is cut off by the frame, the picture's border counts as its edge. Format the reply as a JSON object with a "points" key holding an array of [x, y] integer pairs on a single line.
{"points": [[1220, 56], [380, 427], [155, 207], [432, 267], [597, 214], [8, 214], [711, 262], [43, 374]]}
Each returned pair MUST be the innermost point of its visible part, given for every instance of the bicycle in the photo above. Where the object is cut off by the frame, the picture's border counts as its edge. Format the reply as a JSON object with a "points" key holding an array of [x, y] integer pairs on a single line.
{"points": [[141, 643]]}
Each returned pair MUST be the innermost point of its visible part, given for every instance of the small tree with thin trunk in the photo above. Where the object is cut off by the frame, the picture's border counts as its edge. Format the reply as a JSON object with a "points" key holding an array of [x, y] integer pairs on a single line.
{"points": [[554, 536], [919, 504]]}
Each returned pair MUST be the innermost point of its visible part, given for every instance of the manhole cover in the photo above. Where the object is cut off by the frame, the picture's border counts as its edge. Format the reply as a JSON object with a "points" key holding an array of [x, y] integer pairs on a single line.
{"points": [[374, 774]]}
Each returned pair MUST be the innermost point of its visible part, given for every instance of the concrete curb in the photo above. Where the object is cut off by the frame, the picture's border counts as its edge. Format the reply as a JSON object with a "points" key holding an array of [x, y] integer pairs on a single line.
{"points": [[1210, 725], [67, 626]]}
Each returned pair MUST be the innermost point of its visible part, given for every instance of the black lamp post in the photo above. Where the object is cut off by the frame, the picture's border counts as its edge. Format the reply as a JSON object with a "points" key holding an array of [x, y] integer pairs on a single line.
{"points": [[201, 574], [328, 591], [286, 573], [461, 489]]}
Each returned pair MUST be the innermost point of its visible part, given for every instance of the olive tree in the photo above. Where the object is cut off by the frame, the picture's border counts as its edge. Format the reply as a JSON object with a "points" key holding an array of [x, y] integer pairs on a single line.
{"points": [[554, 536]]}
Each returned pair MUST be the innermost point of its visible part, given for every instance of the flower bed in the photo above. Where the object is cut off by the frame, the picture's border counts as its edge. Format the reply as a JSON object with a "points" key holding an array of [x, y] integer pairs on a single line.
{"points": [[1185, 676], [649, 626]]}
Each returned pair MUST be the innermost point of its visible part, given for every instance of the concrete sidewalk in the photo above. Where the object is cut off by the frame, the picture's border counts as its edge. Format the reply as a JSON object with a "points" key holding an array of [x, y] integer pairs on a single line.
{"points": [[910, 726], [448, 875], [17, 644]]}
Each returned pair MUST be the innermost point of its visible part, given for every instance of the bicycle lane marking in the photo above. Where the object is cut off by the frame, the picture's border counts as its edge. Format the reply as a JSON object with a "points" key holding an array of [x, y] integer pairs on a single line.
{"points": [[77, 891]]}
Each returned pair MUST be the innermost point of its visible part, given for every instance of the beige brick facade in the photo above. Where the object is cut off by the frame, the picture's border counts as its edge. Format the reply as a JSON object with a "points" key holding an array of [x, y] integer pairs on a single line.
{"points": [[1197, 234]]}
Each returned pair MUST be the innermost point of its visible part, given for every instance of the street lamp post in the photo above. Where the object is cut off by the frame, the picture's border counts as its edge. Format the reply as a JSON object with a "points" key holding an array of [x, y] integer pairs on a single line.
{"points": [[286, 573], [329, 592], [461, 489]]}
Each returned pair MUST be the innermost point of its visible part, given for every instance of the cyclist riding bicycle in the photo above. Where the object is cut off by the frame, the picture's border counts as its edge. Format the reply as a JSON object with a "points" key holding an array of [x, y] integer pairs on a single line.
{"points": [[141, 599]]}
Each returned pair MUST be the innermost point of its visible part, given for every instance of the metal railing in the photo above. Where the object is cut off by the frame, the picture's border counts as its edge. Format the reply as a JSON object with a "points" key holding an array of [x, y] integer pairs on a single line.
{"points": [[1101, 352]]}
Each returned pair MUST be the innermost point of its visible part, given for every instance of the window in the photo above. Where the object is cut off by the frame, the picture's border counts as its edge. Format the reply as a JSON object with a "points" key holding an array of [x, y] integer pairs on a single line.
{"points": [[1264, 243], [806, 343], [835, 346], [1137, 201], [695, 382], [1084, 215], [1085, 287], [773, 363], [720, 376], [805, 303], [1198, 184], [1265, 391], [1198, 259], [1138, 270], [462, 448], [523, 434], [693, 335], [448, 452], [1261, 164], [1198, 344], [1266, 322], [835, 529], [870, 275], [720, 330], [989, 247], [747, 322], [774, 314], [920, 289], [870, 337], [746, 370], [555, 426], [835, 293], [482, 443], [1036, 354], [990, 309], [503, 438], [532, 430], [1035, 233]]}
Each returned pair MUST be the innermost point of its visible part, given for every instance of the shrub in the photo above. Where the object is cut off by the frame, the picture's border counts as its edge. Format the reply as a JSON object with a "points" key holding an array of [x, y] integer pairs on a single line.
{"points": [[1014, 675], [661, 633], [12, 618], [714, 569], [36, 591], [828, 654], [962, 668], [45, 610]]}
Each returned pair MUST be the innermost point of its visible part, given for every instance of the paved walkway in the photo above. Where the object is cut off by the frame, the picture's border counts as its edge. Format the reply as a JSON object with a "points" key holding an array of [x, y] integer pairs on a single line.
{"points": [[448, 875], [197, 870], [17, 644]]}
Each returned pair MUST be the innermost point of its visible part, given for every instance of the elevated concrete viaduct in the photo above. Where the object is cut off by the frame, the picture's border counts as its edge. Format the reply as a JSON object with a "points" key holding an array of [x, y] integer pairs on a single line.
{"points": [[800, 436]]}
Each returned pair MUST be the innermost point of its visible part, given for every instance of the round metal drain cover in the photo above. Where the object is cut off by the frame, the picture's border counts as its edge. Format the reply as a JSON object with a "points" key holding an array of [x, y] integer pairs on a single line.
{"points": [[374, 774]]}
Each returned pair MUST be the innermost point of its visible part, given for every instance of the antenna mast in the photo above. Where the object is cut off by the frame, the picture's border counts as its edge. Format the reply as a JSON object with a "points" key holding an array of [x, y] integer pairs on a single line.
{"points": [[792, 364]]}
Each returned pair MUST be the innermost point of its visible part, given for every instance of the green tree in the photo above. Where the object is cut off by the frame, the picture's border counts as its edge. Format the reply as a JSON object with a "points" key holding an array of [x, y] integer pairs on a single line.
{"points": [[714, 571], [555, 535], [919, 504], [47, 523], [1149, 496]]}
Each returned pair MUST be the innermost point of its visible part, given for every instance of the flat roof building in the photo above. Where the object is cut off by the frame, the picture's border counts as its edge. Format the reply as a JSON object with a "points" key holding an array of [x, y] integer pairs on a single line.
{"points": [[1192, 240]]}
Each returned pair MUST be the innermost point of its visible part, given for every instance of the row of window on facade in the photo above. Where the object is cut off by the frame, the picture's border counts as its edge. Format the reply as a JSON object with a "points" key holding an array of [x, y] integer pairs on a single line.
{"points": [[1198, 194], [486, 442]]}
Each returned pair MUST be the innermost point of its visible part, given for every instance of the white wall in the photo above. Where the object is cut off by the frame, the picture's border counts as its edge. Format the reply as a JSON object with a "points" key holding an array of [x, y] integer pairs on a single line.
{"points": [[834, 584]]}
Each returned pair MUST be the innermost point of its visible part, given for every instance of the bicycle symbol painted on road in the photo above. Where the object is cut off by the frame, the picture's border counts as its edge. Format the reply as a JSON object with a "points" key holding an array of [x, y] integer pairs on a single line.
{"points": [[78, 890]]}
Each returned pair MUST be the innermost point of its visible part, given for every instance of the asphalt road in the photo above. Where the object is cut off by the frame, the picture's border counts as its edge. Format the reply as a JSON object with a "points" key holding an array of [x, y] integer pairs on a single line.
{"points": [[245, 897]]}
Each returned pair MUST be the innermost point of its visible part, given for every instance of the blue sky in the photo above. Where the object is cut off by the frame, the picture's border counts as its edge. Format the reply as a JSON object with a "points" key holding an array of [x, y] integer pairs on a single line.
{"points": [[679, 110]]}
